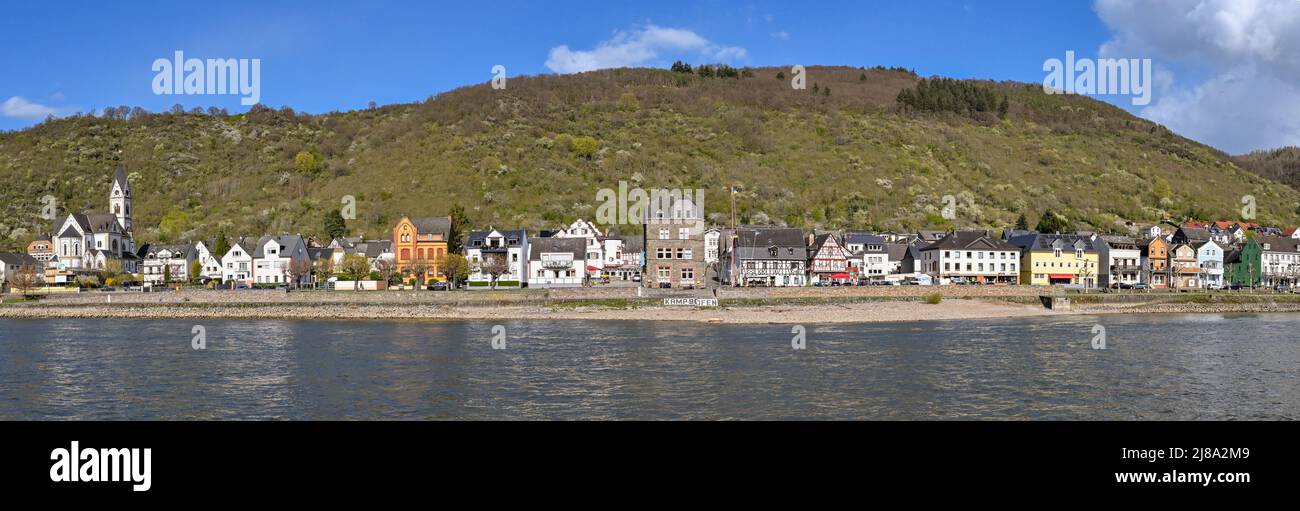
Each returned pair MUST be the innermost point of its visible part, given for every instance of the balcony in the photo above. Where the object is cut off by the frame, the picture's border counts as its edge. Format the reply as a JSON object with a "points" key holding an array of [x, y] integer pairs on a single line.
{"points": [[557, 264]]}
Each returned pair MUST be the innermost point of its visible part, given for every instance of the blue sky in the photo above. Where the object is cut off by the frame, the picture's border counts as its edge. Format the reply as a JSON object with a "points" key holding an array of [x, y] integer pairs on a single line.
{"points": [[322, 56]]}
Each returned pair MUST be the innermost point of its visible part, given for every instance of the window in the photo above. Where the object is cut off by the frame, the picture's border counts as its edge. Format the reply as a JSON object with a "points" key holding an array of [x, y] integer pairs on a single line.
{"points": [[684, 233], [688, 274], [663, 233]]}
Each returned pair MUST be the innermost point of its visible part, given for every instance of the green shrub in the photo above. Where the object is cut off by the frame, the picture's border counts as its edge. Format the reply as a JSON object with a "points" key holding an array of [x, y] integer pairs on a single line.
{"points": [[934, 298]]}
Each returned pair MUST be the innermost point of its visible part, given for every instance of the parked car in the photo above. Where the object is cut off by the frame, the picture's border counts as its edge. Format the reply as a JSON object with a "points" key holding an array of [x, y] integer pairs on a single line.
{"points": [[438, 286], [1141, 285]]}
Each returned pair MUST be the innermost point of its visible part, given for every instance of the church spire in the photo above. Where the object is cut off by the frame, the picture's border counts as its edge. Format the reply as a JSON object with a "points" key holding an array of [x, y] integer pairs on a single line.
{"points": [[119, 198], [119, 180]]}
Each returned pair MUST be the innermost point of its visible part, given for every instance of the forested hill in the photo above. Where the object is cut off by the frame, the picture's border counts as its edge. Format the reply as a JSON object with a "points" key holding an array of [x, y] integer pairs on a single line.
{"points": [[846, 152]]}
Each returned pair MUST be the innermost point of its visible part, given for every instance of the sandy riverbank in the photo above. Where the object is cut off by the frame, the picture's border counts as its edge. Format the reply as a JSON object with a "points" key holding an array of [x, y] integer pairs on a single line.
{"points": [[820, 313], [743, 312]]}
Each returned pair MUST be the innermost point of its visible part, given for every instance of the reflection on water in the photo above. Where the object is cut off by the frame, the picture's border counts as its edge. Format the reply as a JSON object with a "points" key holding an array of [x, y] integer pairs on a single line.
{"points": [[1155, 367]]}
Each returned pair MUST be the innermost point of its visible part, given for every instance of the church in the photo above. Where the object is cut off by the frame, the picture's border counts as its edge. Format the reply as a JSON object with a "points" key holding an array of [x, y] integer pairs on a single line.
{"points": [[88, 241]]}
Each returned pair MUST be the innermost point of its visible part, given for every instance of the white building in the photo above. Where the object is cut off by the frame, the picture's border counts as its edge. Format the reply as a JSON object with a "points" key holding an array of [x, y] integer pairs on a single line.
{"points": [[281, 260], [557, 262], [593, 239], [89, 241], [712, 237], [623, 258], [869, 256], [11, 263], [163, 263], [209, 264], [237, 262], [1209, 256], [1120, 258], [1279, 260], [828, 260], [971, 256], [506, 250], [766, 257], [377, 252]]}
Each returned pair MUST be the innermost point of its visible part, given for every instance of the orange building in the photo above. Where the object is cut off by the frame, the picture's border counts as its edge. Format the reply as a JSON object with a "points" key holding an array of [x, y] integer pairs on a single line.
{"points": [[1155, 262], [420, 244]]}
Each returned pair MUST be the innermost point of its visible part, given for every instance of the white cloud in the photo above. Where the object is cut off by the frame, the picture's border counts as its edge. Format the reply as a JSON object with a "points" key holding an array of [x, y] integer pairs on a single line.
{"points": [[782, 35], [1247, 50], [639, 46], [20, 108]]}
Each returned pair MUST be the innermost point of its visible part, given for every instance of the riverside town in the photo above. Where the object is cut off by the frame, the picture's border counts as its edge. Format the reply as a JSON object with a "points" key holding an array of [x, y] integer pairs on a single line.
{"points": [[671, 248]]}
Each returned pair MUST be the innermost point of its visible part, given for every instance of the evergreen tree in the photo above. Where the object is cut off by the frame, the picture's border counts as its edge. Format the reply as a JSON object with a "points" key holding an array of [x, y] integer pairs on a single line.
{"points": [[458, 222], [1022, 224], [335, 226], [1052, 223], [221, 245]]}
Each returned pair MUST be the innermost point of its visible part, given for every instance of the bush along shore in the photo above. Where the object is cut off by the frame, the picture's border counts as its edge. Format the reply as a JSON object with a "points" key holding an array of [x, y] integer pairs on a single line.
{"points": [[830, 306]]}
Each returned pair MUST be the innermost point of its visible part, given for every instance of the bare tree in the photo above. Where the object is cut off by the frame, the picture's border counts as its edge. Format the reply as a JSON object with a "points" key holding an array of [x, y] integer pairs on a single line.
{"points": [[494, 265], [297, 269], [386, 268], [420, 269], [26, 278]]}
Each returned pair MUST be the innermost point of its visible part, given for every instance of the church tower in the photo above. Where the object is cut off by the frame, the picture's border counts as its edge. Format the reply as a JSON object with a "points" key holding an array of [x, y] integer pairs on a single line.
{"points": [[119, 203]]}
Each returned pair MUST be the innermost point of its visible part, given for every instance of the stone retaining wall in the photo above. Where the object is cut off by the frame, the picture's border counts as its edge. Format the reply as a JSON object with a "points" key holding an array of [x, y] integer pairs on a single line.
{"points": [[1019, 294]]}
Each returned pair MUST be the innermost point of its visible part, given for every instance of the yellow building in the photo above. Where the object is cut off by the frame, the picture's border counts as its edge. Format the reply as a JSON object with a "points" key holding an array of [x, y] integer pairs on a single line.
{"points": [[419, 246], [1050, 259]]}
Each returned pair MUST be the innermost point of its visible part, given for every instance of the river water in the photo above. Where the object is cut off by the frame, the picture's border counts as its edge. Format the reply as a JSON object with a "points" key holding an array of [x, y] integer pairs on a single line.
{"points": [[1202, 366]]}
